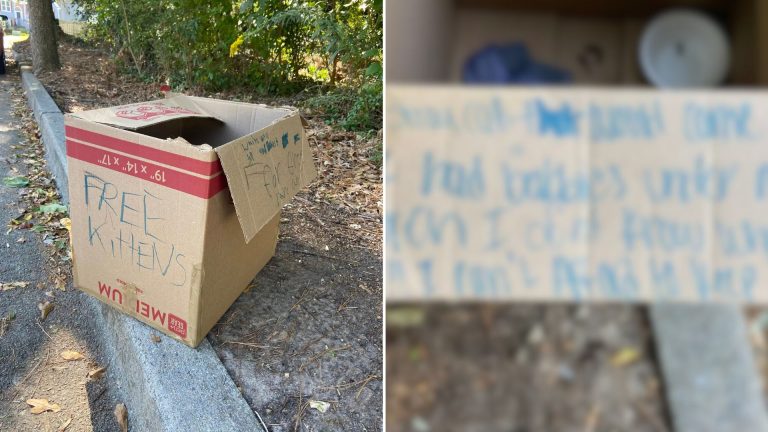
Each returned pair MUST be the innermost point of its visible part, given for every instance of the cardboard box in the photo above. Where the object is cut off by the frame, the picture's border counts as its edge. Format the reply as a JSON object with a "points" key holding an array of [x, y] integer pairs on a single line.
{"points": [[175, 204]]}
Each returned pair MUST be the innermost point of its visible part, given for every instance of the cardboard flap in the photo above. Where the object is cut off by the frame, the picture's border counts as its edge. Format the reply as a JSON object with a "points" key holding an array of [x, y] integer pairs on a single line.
{"points": [[143, 114], [265, 170]]}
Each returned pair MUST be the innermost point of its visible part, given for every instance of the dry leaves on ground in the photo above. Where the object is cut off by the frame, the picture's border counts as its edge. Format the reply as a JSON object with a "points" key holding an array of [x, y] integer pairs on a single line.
{"points": [[71, 355], [348, 177], [40, 209], [39, 406], [97, 373], [45, 308], [64, 425], [88, 77], [5, 286], [121, 415]]}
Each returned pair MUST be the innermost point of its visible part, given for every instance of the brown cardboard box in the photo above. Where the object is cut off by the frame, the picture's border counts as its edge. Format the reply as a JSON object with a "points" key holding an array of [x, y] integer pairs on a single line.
{"points": [[175, 204]]}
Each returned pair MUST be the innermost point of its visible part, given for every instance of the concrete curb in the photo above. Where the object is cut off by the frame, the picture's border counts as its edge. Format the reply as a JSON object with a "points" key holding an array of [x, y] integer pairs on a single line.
{"points": [[165, 386], [710, 377]]}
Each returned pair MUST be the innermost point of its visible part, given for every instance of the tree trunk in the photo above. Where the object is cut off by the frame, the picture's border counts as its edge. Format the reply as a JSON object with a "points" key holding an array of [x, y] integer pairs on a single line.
{"points": [[45, 53]]}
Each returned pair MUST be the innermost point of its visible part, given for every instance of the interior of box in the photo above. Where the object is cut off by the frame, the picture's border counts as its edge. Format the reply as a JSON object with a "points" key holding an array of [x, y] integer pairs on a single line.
{"points": [[232, 121], [195, 130], [597, 40]]}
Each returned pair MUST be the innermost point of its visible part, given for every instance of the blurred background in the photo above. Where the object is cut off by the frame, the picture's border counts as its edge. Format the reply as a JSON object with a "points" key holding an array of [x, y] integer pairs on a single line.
{"points": [[556, 367]]}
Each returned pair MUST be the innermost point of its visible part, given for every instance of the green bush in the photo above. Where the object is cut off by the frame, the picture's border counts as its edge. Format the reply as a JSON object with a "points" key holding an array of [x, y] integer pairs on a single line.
{"points": [[355, 110], [365, 114], [266, 46], [377, 156]]}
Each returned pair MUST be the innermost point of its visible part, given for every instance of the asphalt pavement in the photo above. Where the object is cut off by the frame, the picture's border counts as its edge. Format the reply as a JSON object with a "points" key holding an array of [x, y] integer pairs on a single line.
{"points": [[30, 348]]}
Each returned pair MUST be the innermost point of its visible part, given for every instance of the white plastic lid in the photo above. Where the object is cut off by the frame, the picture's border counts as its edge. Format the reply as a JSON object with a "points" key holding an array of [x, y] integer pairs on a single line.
{"points": [[684, 48]]}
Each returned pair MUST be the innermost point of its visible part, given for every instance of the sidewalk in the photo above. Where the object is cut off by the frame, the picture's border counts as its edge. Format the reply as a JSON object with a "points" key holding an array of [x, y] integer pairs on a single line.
{"points": [[30, 348]]}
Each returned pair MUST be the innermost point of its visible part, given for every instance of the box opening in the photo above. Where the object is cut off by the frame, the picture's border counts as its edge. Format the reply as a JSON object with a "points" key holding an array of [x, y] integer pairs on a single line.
{"points": [[196, 120], [194, 130], [227, 122]]}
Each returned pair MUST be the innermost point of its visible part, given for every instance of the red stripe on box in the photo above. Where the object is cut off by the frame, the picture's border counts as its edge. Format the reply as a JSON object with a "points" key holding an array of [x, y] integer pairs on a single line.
{"points": [[157, 155], [183, 182]]}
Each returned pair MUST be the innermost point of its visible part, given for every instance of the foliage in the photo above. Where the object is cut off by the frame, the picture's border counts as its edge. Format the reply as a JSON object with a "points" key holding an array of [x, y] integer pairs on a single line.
{"points": [[266, 46], [16, 181], [353, 109], [378, 154]]}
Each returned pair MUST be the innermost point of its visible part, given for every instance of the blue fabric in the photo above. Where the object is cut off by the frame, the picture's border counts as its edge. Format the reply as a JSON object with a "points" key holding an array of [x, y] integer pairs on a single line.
{"points": [[510, 64]]}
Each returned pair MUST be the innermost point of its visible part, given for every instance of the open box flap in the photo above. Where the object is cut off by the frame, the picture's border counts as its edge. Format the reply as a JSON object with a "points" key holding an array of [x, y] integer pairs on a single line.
{"points": [[265, 170], [143, 114]]}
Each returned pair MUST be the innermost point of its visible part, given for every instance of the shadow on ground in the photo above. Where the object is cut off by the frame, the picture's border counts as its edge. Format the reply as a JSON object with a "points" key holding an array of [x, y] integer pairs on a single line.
{"points": [[310, 329]]}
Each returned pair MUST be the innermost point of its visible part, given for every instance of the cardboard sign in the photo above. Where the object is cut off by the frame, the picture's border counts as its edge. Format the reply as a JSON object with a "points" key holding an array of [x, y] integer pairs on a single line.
{"points": [[576, 194], [155, 233], [265, 170]]}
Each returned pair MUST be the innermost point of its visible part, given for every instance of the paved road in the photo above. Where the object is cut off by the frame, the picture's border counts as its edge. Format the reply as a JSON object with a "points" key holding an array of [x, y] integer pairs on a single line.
{"points": [[30, 349]]}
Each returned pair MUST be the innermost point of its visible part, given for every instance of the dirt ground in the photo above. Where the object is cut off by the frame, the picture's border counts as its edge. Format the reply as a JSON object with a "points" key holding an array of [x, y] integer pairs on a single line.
{"points": [[522, 368], [308, 331]]}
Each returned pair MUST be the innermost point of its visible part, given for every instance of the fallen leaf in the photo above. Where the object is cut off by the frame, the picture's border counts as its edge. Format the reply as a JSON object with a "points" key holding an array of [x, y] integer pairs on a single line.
{"points": [[97, 373], [71, 355], [59, 368], [625, 356], [65, 425], [66, 223], [45, 308], [593, 419], [52, 208], [60, 284], [16, 181], [319, 405], [155, 338], [121, 414], [5, 286], [42, 405]]}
